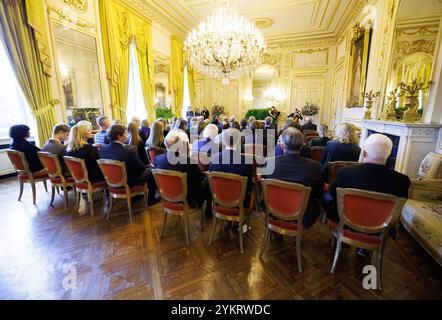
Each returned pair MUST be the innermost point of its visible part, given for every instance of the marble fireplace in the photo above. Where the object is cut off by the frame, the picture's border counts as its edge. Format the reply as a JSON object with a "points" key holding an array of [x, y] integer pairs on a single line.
{"points": [[411, 141]]}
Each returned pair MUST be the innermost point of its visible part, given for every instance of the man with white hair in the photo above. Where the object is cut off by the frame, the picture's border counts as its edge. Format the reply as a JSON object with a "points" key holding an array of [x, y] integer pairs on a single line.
{"points": [[371, 175], [207, 144], [309, 125]]}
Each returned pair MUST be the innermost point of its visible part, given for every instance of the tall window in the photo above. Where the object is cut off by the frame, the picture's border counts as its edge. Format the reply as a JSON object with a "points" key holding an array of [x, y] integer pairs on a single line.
{"points": [[14, 108], [186, 98], [135, 98]]}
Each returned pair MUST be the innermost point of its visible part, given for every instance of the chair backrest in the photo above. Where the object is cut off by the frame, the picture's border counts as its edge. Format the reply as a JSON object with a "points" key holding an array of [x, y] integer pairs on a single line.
{"points": [[18, 160], [51, 163], [152, 152], [114, 172], [317, 153], [77, 168], [171, 184], [286, 200], [334, 167], [367, 211], [309, 131], [228, 190]]}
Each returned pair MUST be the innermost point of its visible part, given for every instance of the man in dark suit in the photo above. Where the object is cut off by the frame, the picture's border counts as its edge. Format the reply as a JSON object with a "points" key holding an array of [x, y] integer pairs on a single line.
{"points": [[136, 172], [269, 132], [19, 134], [323, 139], [292, 167], [189, 112], [177, 159], [371, 175], [308, 125], [56, 145]]}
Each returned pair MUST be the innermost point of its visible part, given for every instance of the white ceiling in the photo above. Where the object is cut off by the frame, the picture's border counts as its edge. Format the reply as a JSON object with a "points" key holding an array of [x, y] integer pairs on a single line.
{"points": [[300, 19], [418, 9]]}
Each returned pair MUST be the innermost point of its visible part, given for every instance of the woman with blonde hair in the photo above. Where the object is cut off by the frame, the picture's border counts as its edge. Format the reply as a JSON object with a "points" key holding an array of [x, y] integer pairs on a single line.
{"points": [[343, 148], [78, 147], [134, 139], [156, 137]]}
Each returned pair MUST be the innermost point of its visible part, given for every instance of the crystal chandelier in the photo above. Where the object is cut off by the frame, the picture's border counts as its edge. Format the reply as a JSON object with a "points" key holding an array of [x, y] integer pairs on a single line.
{"points": [[225, 46]]}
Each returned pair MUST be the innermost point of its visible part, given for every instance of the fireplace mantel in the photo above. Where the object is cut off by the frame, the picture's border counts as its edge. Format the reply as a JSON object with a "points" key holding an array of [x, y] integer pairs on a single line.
{"points": [[416, 141]]}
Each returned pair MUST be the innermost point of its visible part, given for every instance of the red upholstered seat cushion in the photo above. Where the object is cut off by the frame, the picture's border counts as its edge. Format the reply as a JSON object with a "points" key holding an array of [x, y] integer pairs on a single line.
{"points": [[288, 225], [58, 180], [135, 189], [97, 185], [37, 175], [357, 236], [176, 206]]}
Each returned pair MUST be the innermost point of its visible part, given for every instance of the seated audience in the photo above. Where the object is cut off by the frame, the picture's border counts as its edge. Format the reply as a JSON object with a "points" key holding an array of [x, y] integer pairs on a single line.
{"points": [[243, 125], [19, 134], [56, 145], [135, 169], [207, 144], [344, 148], [156, 137], [101, 137], [292, 167], [305, 152], [134, 139], [137, 122], [189, 112], [145, 128], [323, 139], [90, 128], [250, 120], [309, 125], [235, 125], [371, 175], [79, 147], [269, 132], [116, 121], [251, 134], [224, 126], [197, 112]]}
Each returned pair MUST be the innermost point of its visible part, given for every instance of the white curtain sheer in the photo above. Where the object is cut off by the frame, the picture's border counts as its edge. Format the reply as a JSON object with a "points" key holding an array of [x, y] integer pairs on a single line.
{"points": [[135, 99], [186, 98]]}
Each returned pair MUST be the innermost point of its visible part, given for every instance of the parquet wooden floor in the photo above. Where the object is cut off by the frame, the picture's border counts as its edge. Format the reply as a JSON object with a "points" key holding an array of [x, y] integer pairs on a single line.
{"points": [[118, 260]]}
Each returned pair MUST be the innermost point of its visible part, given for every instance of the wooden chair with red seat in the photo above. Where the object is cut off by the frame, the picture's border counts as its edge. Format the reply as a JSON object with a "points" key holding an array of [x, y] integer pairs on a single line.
{"points": [[317, 153], [365, 219], [78, 170], [228, 194], [152, 152], [202, 159], [286, 203], [172, 186], [25, 175], [116, 178], [51, 162]]}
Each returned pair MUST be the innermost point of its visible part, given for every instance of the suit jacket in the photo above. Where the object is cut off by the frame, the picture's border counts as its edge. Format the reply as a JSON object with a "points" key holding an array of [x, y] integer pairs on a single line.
{"points": [[231, 161], [336, 151], [309, 126], [30, 151], [270, 134], [194, 175], [206, 145], [293, 167], [56, 147], [306, 152], [142, 153], [136, 172], [319, 142], [90, 156], [144, 135]]}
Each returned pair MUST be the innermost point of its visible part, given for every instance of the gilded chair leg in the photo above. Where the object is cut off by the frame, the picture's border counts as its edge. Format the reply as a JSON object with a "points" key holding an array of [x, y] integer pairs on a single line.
{"points": [[33, 192], [186, 229], [324, 218], [379, 258], [332, 247], [66, 198], [164, 225], [145, 199], [45, 185], [129, 205], [241, 238], [91, 200], [111, 205], [215, 220], [77, 206], [264, 241], [52, 196], [202, 219], [337, 252], [21, 190], [298, 252]]}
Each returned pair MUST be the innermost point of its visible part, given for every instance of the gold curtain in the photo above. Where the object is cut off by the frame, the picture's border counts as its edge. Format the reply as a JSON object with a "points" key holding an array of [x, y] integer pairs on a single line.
{"points": [[119, 27], [177, 74], [22, 50]]}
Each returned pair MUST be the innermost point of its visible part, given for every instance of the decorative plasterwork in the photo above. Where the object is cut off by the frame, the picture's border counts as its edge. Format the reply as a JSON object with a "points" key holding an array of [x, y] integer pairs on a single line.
{"points": [[419, 31], [77, 5], [310, 75], [406, 48], [303, 45], [358, 33], [263, 23], [72, 20], [355, 12]]}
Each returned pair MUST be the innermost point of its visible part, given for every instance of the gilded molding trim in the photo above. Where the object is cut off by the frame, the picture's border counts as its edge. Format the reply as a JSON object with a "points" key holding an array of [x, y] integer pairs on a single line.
{"points": [[406, 48], [78, 5], [303, 44], [75, 21], [420, 32], [310, 75]]}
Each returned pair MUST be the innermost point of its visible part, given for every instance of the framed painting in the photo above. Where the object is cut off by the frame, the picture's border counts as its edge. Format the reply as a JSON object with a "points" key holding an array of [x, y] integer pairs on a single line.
{"points": [[359, 55]]}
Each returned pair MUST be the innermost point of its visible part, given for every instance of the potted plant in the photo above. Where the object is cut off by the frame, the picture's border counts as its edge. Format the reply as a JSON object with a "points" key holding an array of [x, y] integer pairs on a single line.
{"points": [[218, 110], [310, 109]]}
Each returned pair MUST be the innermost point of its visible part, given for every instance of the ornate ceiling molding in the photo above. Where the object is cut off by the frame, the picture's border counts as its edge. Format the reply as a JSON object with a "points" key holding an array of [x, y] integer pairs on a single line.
{"points": [[77, 5], [62, 16], [303, 44], [356, 10], [406, 48]]}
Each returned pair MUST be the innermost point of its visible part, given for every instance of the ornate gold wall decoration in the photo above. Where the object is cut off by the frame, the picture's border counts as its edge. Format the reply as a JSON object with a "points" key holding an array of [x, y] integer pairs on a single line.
{"points": [[77, 5], [420, 32], [406, 48], [262, 23], [357, 33], [73, 20], [302, 44]]}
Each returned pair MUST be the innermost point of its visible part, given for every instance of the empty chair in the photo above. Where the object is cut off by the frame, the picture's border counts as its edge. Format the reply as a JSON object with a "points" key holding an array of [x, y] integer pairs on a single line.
{"points": [[286, 203], [365, 219], [152, 152], [116, 178], [78, 170], [51, 162], [25, 175], [228, 194], [172, 186], [317, 153]]}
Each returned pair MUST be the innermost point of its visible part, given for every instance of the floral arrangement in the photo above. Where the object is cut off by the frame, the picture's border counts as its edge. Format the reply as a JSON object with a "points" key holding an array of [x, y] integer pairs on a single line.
{"points": [[218, 110], [310, 109]]}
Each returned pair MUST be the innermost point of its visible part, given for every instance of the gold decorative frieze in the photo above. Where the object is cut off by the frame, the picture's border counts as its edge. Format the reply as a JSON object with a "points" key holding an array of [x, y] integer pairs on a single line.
{"points": [[77, 5], [303, 44], [64, 17], [419, 32], [310, 75], [406, 48]]}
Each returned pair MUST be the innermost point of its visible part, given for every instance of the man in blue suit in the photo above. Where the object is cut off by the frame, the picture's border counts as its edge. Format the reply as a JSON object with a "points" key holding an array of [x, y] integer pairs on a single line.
{"points": [[136, 172]]}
